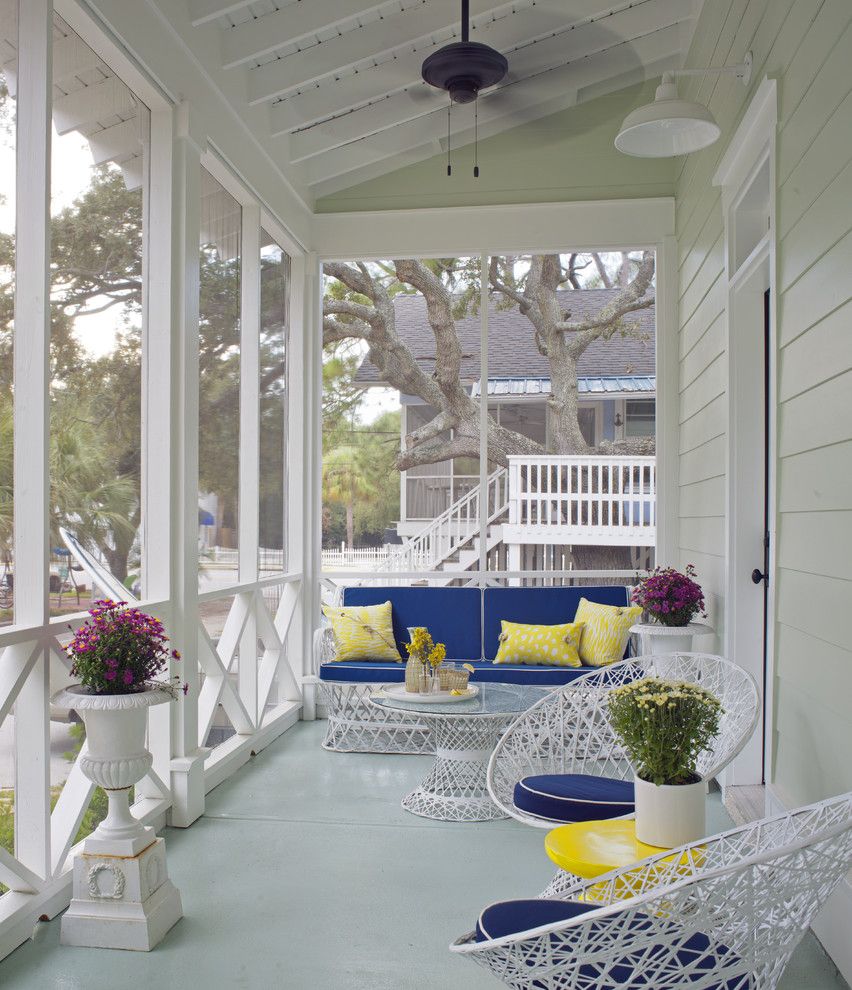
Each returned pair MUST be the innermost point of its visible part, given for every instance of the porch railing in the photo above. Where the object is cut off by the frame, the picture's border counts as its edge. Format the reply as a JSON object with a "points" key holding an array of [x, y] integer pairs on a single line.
{"points": [[588, 500]]}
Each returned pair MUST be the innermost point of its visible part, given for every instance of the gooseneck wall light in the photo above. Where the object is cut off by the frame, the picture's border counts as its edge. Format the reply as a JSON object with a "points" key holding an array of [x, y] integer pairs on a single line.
{"points": [[670, 126]]}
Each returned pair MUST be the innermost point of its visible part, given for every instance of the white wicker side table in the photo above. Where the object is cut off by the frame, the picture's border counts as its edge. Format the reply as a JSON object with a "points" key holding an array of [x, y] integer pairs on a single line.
{"points": [[465, 733], [657, 638]]}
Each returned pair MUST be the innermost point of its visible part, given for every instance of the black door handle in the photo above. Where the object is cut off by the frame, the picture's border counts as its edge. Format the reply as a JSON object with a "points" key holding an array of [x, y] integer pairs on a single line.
{"points": [[757, 575]]}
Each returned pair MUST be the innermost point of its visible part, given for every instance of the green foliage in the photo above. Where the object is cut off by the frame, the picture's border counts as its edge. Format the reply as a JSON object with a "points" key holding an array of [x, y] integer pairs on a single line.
{"points": [[664, 726]]}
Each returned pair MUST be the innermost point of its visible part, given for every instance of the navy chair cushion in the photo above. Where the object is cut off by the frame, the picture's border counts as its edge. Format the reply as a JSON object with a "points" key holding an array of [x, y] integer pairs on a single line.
{"points": [[365, 672], [452, 615], [539, 606], [574, 797], [695, 954]]}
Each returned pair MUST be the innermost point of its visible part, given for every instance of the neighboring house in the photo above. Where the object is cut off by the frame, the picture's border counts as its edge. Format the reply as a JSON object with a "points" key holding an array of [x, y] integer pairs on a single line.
{"points": [[616, 382]]}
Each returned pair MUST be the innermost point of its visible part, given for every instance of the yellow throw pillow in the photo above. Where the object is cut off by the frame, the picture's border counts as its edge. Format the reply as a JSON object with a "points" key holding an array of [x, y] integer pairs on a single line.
{"points": [[363, 632], [550, 646], [606, 629]]}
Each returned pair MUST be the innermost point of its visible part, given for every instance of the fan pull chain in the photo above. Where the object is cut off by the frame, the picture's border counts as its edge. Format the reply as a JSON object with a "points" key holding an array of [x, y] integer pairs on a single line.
{"points": [[449, 111], [476, 138]]}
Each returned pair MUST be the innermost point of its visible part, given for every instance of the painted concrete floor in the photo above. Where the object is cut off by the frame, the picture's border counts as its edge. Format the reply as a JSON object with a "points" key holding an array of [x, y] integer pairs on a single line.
{"points": [[305, 874]]}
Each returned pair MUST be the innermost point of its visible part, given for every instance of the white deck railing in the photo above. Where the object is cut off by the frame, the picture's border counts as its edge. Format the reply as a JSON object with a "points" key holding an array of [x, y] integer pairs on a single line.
{"points": [[582, 500]]}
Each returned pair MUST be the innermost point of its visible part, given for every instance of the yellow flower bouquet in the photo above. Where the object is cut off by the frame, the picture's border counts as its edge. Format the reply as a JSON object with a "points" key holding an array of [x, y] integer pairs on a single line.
{"points": [[425, 657]]}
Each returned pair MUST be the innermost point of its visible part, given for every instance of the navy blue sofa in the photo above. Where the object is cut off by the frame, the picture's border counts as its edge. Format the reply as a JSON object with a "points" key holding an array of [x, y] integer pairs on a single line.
{"points": [[468, 621]]}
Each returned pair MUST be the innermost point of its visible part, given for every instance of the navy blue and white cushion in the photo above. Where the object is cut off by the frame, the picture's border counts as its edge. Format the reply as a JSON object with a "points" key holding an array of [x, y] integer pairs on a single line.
{"points": [[574, 797]]}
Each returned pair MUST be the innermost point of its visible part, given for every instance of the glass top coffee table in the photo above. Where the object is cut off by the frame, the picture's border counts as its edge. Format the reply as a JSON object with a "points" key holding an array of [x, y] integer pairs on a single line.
{"points": [[465, 733]]}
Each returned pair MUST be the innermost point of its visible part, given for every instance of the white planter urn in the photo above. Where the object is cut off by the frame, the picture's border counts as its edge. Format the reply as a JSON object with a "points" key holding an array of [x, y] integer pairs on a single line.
{"points": [[123, 898], [656, 639], [115, 759], [669, 815]]}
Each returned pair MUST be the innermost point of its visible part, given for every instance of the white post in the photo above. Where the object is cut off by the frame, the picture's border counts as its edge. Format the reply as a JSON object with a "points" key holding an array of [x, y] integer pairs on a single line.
{"points": [[157, 386], [249, 452], [32, 424], [483, 418], [667, 414], [187, 768]]}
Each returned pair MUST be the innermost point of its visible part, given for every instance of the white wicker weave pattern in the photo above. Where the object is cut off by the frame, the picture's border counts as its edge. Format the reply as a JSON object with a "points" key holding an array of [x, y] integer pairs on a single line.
{"points": [[569, 730], [752, 891], [356, 726]]}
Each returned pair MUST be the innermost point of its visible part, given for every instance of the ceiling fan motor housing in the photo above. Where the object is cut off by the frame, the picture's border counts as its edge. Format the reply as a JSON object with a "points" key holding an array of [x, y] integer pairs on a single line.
{"points": [[464, 68]]}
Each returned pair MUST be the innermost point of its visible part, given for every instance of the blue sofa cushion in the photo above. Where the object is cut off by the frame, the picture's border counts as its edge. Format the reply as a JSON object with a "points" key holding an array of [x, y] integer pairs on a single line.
{"points": [[574, 797], [452, 615], [365, 672], [538, 606], [696, 955]]}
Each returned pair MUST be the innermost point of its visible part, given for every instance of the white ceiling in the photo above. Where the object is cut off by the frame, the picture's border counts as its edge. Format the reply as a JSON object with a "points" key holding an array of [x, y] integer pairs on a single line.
{"points": [[338, 81]]}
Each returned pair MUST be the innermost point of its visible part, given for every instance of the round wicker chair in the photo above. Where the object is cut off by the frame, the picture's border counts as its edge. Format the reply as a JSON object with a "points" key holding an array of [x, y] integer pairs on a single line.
{"points": [[568, 731], [725, 914]]}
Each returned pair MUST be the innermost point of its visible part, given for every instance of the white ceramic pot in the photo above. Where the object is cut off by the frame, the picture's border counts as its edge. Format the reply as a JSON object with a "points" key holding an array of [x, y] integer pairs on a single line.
{"points": [[669, 815], [115, 758]]}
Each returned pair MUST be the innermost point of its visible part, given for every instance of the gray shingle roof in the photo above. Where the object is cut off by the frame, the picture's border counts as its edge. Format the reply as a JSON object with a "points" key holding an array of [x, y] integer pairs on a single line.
{"points": [[511, 347]]}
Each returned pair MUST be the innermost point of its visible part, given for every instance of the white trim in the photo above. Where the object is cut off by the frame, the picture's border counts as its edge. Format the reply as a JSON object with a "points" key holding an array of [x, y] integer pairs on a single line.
{"points": [[533, 228], [666, 404], [750, 149]]}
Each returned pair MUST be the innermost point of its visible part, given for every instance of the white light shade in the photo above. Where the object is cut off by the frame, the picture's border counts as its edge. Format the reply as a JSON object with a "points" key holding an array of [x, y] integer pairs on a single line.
{"points": [[667, 127]]}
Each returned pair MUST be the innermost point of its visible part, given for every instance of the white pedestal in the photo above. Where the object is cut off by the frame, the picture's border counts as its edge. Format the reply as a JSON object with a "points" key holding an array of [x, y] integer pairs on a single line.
{"points": [[655, 638], [121, 902]]}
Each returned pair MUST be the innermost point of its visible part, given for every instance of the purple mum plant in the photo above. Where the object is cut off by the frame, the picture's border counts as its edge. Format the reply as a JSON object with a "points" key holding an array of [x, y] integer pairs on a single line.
{"points": [[121, 650], [670, 597]]}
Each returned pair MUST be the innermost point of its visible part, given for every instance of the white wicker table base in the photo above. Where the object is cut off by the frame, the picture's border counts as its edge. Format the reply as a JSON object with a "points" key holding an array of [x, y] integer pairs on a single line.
{"points": [[455, 788]]}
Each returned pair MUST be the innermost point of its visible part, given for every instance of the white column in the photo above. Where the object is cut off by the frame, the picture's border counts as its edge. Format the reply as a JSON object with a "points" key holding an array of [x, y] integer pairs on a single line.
{"points": [[667, 413], [187, 766], [32, 424], [483, 417], [249, 452], [157, 385]]}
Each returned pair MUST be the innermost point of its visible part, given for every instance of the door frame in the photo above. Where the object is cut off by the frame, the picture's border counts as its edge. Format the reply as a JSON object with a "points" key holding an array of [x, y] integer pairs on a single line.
{"points": [[751, 154]]}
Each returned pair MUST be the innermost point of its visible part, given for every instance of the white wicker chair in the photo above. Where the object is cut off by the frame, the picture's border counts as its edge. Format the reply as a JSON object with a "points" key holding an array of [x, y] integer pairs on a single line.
{"points": [[725, 914], [568, 732]]}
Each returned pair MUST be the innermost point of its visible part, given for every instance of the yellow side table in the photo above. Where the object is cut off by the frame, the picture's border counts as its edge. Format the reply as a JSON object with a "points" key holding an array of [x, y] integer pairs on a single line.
{"points": [[590, 849]]}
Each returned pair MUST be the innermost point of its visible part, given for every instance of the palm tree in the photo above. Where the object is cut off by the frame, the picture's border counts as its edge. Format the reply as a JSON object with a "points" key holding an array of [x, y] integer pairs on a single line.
{"points": [[346, 482]]}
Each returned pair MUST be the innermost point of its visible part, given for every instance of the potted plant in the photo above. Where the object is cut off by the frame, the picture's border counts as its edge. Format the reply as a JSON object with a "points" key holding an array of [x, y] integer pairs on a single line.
{"points": [[119, 654], [672, 599], [424, 658], [664, 726]]}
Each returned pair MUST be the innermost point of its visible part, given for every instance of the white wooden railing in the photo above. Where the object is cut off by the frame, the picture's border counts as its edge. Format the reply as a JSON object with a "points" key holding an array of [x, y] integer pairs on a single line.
{"points": [[355, 556], [453, 529], [582, 500]]}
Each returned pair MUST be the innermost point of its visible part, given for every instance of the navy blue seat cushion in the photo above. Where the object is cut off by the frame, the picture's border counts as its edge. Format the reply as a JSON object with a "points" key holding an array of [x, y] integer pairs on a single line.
{"points": [[538, 606], [365, 672], [452, 615], [513, 917], [574, 797]]}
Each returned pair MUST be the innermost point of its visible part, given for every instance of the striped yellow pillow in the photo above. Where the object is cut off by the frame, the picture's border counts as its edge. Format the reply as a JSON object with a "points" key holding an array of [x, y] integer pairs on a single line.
{"points": [[550, 646], [606, 629], [363, 632]]}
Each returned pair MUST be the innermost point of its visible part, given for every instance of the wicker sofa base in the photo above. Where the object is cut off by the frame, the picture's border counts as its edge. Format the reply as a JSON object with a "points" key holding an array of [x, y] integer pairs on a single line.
{"points": [[356, 726]]}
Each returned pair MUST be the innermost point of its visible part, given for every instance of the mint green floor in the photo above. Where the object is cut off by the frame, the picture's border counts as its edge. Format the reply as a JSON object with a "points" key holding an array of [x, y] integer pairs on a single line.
{"points": [[306, 874]]}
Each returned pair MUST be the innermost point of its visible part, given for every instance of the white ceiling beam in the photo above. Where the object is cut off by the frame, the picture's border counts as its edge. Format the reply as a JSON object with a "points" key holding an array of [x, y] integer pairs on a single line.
{"points": [[391, 77], [71, 56], [92, 103], [408, 27], [515, 105], [115, 144], [289, 25], [586, 41], [204, 11]]}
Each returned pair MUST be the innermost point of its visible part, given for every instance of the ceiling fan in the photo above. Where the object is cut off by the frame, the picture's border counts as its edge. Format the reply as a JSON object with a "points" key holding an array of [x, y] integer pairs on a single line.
{"points": [[463, 69]]}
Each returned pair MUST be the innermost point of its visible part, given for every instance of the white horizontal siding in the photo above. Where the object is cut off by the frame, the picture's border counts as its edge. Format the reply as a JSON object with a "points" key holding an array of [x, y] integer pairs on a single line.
{"points": [[808, 47]]}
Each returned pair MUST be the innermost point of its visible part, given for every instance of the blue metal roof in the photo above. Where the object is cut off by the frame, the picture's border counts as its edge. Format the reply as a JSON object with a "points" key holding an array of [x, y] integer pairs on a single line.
{"points": [[586, 385]]}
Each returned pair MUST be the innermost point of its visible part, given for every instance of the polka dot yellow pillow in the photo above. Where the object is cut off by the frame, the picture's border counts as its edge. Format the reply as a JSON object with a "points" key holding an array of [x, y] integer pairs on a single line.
{"points": [[363, 632], [548, 646], [606, 629]]}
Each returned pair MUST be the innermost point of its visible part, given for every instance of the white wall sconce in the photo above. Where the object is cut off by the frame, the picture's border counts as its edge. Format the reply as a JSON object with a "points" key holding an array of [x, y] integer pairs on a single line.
{"points": [[670, 126]]}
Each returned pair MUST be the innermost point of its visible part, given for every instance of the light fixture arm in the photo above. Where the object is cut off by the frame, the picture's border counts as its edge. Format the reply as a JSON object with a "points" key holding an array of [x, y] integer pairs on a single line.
{"points": [[742, 71]]}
